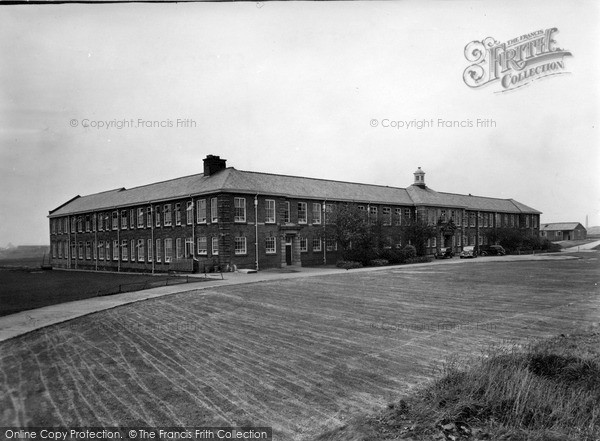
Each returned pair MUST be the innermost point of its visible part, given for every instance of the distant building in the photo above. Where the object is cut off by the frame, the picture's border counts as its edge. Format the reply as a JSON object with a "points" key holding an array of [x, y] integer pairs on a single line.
{"points": [[563, 231], [226, 216]]}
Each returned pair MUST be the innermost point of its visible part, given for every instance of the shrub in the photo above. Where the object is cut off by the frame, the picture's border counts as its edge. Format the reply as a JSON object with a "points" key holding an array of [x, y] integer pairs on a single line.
{"points": [[348, 264], [418, 259], [392, 256], [379, 262], [409, 251]]}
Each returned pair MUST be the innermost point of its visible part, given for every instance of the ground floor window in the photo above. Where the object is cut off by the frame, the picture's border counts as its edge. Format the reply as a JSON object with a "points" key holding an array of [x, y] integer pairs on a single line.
{"points": [[189, 247], [115, 250], [316, 244], [124, 250], [168, 250], [141, 250], [80, 250], [270, 246], [178, 248], [202, 248], [150, 253], [240, 245], [101, 251], [159, 250], [303, 244], [215, 246], [88, 250], [132, 247]]}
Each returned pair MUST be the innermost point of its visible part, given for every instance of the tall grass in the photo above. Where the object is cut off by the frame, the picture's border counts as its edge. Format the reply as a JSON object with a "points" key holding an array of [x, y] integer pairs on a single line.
{"points": [[538, 393]]}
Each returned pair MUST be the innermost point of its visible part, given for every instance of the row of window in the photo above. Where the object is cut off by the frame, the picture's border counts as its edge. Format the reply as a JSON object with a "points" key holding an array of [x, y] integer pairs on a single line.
{"points": [[141, 250], [486, 219]]}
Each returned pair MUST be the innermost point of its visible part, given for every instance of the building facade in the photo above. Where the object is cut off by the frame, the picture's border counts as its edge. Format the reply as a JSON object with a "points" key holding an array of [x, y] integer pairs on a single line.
{"points": [[225, 217], [556, 232]]}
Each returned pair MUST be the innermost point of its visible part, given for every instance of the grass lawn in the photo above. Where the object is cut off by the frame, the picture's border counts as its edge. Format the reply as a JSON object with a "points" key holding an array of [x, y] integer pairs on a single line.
{"points": [[25, 289], [302, 355]]}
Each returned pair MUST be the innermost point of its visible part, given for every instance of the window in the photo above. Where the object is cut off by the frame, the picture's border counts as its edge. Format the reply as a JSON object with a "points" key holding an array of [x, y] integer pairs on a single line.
{"points": [[101, 222], [303, 244], [331, 244], [158, 250], [316, 213], [149, 217], [373, 214], [286, 213], [132, 247], [505, 220], [214, 213], [302, 215], [240, 209], [397, 216], [240, 245], [485, 219], [72, 225], [202, 247], [94, 250], [167, 220], [177, 214], [150, 254], [387, 216], [201, 211], [124, 250], [115, 250], [471, 219], [178, 248], [458, 218], [328, 212], [270, 211], [101, 250], [480, 240], [132, 218], [123, 219], [434, 242], [168, 250], [270, 245], [471, 240], [317, 244], [107, 255], [527, 220], [73, 250], [88, 225], [407, 212], [79, 225], [157, 216], [189, 247], [215, 246], [189, 213], [443, 215], [535, 221], [54, 252], [94, 222], [512, 220], [80, 250], [140, 217], [141, 251], [361, 208]]}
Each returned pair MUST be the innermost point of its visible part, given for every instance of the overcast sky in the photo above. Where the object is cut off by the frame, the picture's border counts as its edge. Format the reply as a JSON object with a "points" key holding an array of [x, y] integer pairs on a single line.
{"points": [[291, 88]]}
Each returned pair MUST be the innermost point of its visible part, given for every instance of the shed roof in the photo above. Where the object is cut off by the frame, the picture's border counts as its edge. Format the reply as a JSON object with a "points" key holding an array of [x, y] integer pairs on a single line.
{"points": [[560, 226]]}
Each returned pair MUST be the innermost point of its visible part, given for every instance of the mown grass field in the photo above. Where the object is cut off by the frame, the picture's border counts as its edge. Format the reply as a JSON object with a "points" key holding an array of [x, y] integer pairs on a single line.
{"points": [[24, 289], [300, 355]]}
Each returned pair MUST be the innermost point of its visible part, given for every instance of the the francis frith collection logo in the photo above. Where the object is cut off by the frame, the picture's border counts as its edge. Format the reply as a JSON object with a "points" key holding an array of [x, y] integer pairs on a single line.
{"points": [[515, 63]]}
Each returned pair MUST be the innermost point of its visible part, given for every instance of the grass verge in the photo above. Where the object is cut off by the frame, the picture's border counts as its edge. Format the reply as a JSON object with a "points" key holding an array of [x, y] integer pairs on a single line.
{"points": [[549, 390]]}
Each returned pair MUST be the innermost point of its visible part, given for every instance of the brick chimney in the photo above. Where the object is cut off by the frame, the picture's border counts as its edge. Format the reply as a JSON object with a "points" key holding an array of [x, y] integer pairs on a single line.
{"points": [[213, 164]]}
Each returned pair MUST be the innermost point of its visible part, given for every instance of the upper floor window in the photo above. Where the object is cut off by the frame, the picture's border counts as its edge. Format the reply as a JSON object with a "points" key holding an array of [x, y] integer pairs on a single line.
{"points": [[189, 212], [302, 213], [132, 218], [316, 213], [140, 217], [240, 209], [148, 217], [407, 212], [88, 223], [115, 220], [167, 218], [214, 215], [201, 211], [157, 222], [387, 216], [177, 214], [373, 213], [398, 216], [286, 213], [123, 219], [270, 211], [79, 224]]}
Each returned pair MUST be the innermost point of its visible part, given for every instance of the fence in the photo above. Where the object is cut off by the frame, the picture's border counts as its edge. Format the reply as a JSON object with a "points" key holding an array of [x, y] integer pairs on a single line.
{"points": [[147, 284]]}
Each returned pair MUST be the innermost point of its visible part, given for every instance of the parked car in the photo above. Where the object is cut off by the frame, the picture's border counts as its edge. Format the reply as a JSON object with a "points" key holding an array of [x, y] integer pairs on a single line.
{"points": [[444, 253], [490, 250], [468, 252]]}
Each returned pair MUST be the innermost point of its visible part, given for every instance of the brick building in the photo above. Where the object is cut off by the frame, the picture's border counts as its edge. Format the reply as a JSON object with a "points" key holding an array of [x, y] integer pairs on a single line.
{"points": [[558, 231], [226, 217]]}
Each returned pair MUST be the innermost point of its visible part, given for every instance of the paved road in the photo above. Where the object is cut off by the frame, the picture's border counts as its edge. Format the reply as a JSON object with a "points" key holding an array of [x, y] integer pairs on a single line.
{"points": [[23, 322], [585, 247]]}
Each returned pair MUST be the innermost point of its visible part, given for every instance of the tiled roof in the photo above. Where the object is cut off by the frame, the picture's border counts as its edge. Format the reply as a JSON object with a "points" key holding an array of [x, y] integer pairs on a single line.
{"points": [[232, 180], [559, 226]]}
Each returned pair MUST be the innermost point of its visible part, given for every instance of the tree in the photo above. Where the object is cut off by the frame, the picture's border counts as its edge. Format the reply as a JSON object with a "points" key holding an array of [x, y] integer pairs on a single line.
{"points": [[417, 232], [356, 236]]}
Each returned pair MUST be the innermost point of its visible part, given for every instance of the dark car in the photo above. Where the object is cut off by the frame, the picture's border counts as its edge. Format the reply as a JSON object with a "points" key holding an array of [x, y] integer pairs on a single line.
{"points": [[444, 253], [490, 250]]}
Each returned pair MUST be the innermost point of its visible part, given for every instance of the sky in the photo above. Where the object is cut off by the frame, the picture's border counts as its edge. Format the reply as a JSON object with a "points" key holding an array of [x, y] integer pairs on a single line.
{"points": [[324, 90]]}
